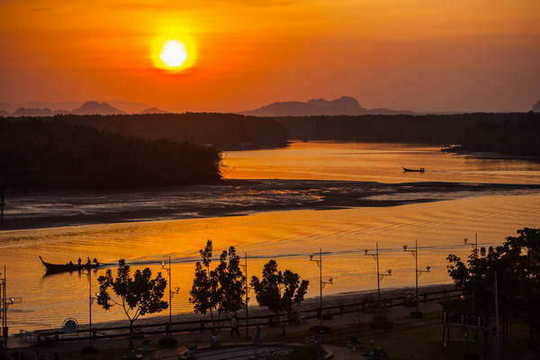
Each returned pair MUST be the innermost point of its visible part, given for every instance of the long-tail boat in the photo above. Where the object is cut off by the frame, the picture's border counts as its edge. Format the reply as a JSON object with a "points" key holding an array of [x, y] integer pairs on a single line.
{"points": [[413, 170], [69, 267]]}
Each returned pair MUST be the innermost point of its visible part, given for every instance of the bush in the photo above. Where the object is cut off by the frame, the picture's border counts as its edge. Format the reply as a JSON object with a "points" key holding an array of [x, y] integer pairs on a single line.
{"points": [[381, 322], [168, 342], [89, 349], [304, 353]]}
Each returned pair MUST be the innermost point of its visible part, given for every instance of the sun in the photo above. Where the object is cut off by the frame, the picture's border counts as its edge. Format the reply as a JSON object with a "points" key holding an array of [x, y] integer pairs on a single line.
{"points": [[173, 54]]}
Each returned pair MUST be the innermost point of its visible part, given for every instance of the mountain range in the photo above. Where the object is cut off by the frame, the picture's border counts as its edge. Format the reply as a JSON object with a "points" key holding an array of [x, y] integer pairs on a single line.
{"points": [[345, 105], [87, 108]]}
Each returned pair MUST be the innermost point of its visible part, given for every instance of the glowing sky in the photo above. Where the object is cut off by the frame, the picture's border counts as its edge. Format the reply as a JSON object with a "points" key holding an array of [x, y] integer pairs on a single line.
{"points": [[410, 54]]}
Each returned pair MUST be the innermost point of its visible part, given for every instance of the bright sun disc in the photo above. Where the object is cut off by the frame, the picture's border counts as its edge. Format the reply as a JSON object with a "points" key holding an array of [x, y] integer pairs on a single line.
{"points": [[173, 54]]}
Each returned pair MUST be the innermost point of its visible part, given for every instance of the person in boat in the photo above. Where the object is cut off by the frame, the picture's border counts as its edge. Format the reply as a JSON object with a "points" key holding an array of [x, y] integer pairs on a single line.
{"points": [[79, 262], [88, 262], [70, 263], [96, 262]]}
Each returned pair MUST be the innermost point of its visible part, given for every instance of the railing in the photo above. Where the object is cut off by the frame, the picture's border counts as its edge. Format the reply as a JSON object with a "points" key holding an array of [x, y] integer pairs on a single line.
{"points": [[194, 326]]}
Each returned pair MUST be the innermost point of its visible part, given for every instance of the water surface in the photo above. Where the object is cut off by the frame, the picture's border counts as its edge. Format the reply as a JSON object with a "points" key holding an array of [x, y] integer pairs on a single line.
{"points": [[290, 235]]}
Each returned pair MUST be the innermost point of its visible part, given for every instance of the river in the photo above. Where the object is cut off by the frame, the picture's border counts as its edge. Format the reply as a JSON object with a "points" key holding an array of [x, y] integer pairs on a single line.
{"points": [[290, 236]]}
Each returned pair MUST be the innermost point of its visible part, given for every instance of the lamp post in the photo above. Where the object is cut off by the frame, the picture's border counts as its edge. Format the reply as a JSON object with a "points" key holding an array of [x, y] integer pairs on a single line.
{"points": [[5, 302], [176, 291], [418, 272], [475, 245], [380, 276], [245, 266], [90, 302], [322, 282]]}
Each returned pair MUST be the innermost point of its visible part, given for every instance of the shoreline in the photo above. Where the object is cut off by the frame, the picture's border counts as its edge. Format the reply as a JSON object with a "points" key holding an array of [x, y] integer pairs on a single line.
{"points": [[338, 299], [231, 198]]}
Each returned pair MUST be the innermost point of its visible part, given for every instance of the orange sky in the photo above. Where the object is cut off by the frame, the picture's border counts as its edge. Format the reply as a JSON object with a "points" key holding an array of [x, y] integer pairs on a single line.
{"points": [[409, 54]]}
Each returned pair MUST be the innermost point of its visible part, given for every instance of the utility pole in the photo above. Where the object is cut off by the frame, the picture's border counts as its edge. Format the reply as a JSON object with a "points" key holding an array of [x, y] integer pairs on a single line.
{"points": [[245, 266], [322, 283], [466, 242], [498, 348], [414, 252], [5, 302], [90, 300], [380, 275], [176, 291]]}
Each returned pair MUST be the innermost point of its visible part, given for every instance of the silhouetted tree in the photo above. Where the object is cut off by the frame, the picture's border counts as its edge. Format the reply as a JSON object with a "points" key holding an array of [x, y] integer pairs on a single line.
{"points": [[279, 291], [231, 282], [205, 290], [220, 289], [517, 266], [137, 296]]}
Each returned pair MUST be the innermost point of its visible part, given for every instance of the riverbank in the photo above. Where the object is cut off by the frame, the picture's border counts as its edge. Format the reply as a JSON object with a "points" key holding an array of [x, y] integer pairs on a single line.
{"points": [[231, 198], [310, 305]]}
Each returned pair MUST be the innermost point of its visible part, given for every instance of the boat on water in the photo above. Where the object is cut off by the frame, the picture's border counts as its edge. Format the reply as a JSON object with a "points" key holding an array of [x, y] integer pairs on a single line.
{"points": [[69, 267], [414, 170]]}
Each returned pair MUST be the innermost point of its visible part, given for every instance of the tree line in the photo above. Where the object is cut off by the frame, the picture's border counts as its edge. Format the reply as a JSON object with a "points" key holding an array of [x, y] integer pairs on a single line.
{"points": [[506, 133], [48, 154], [217, 290], [503, 279], [223, 131]]}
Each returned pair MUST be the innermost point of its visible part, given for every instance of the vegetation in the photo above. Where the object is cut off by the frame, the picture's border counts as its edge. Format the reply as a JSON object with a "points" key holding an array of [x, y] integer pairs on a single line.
{"points": [[507, 136], [509, 273], [220, 289], [137, 296], [55, 154], [279, 291], [512, 133], [223, 131]]}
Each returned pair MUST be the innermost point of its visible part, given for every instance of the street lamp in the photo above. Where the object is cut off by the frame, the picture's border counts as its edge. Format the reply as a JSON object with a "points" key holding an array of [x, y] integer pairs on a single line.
{"points": [[246, 279], [475, 245], [168, 268], [322, 282], [418, 272], [380, 276]]}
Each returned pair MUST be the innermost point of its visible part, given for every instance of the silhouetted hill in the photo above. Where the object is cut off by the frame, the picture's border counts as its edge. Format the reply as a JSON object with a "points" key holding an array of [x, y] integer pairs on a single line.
{"points": [[3, 113], [536, 107], [56, 154], [96, 108], [32, 112], [154, 110], [343, 106]]}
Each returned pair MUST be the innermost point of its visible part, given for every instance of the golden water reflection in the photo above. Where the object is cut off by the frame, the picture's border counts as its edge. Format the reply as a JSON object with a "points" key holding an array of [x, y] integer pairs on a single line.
{"points": [[439, 227]]}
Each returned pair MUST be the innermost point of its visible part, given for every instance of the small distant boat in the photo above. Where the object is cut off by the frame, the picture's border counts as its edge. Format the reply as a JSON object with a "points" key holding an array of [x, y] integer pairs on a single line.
{"points": [[69, 267], [414, 170]]}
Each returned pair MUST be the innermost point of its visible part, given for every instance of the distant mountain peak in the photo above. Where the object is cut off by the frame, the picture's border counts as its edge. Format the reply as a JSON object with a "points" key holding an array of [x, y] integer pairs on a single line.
{"points": [[94, 107], [536, 107], [344, 105], [24, 111], [154, 110]]}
